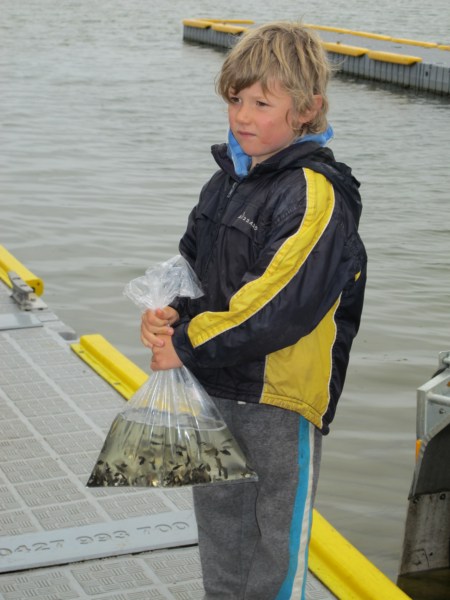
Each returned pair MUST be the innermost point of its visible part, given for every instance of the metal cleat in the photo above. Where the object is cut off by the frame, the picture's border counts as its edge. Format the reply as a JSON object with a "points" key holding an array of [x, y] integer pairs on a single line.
{"points": [[23, 294]]}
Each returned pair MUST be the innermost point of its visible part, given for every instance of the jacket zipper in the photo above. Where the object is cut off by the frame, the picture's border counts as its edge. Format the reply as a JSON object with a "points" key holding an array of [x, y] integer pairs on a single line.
{"points": [[219, 218], [232, 189]]}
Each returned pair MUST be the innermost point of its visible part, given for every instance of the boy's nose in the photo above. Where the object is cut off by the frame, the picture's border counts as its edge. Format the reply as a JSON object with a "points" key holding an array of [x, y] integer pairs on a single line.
{"points": [[243, 114]]}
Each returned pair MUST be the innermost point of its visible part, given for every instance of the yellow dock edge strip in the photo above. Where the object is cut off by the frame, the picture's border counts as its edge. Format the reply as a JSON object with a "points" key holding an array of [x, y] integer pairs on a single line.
{"points": [[332, 559], [232, 21], [378, 36], [346, 572], [235, 25], [407, 42], [9, 263], [225, 28], [344, 49], [197, 23], [110, 364], [392, 57], [207, 22]]}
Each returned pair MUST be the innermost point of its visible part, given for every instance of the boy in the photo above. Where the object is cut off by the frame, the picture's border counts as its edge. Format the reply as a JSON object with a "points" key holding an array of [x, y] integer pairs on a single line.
{"points": [[274, 242]]}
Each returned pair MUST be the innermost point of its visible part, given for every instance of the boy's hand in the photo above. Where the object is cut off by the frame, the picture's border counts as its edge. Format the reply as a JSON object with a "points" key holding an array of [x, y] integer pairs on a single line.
{"points": [[165, 357], [157, 323]]}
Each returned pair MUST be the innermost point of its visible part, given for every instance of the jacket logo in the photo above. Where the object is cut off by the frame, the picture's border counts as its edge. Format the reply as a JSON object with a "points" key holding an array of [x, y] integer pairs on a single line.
{"points": [[244, 218]]}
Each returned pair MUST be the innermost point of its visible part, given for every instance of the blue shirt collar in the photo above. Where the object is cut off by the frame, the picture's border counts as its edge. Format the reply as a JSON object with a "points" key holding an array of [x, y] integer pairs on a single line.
{"points": [[242, 161]]}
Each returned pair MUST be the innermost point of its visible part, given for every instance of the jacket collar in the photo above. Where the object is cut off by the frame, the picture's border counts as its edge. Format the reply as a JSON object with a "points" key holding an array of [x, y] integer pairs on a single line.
{"points": [[285, 159], [242, 161], [310, 154]]}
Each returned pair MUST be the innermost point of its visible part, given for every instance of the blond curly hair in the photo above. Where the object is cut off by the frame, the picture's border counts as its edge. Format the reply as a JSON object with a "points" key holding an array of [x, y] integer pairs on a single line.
{"points": [[287, 52]]}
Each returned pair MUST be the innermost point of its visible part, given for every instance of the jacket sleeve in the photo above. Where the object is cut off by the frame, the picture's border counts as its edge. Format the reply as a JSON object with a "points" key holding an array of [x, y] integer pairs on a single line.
{"points": [[309, 257]]}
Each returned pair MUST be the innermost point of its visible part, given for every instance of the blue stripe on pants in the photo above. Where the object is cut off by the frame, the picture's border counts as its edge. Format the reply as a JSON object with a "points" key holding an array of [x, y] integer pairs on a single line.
{"points": [[301, 516]]}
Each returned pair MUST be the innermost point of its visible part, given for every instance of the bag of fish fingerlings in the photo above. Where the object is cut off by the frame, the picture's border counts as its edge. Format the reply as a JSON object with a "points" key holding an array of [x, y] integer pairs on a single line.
{"points": [[170, 434]]}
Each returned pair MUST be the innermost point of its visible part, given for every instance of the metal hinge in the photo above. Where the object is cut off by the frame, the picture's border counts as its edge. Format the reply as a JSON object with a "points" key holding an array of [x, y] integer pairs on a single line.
{"points": [[23, 294], [444, 359]]}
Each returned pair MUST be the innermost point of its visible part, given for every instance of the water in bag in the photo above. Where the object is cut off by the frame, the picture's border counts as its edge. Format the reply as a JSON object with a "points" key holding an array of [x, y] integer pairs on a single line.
{"points": [[176, 440], [171, 433]]}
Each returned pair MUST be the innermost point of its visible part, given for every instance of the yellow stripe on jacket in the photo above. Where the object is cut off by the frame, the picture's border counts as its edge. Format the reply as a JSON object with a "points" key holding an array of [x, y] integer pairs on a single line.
{"points": [[298, 377], [287, 261]]}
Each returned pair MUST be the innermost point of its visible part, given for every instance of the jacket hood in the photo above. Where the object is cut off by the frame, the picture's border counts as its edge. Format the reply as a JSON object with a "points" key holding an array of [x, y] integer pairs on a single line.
{"points": [[341, 177]]}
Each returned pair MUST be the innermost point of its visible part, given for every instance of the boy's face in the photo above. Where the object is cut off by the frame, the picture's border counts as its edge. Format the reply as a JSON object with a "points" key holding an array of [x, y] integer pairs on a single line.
{"points": [[262, 122]]}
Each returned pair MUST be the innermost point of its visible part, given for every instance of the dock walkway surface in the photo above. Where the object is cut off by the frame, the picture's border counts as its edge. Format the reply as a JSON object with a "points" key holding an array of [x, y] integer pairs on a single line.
{"points": [[58, 539], [413, 64]]}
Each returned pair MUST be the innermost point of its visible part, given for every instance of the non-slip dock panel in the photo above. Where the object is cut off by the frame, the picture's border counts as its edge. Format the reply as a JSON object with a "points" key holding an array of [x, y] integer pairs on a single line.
{"points": [[18, 321], [56, 412], [128, 536], [174, 574]]}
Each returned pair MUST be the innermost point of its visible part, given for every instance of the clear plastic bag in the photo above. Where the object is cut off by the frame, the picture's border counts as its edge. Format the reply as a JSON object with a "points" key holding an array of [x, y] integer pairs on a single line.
{"points": [[171, 433]]}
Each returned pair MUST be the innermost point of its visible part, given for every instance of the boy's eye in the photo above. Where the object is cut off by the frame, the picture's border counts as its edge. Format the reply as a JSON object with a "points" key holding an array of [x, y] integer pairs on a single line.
{"points": [[233, 99], [261, 103]]}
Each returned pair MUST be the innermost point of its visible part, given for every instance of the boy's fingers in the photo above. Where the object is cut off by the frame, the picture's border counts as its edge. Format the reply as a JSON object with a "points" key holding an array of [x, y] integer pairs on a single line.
{"points": [[161, 314], [152, 324]]}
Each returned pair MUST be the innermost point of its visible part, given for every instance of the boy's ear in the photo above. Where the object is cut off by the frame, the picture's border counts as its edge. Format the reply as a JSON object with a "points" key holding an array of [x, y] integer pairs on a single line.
{"points": [[318, 102], [309, 114]]}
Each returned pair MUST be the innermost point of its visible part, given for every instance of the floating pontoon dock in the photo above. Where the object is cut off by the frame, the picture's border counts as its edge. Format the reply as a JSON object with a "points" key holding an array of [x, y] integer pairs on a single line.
{"points": [[402, 62], [60, 540]]}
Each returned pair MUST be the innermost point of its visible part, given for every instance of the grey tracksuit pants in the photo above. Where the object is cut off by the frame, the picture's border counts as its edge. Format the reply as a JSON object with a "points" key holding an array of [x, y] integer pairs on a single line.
{"points": [[253, 536]]}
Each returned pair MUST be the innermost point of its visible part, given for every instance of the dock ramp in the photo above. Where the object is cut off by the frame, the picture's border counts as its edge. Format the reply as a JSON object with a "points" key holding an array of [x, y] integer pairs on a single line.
{"points": [[60, 540]]}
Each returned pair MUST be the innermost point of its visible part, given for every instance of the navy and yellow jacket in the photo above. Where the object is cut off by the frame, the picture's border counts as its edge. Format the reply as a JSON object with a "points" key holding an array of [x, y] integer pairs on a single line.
{"points": [[283, 270]]}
